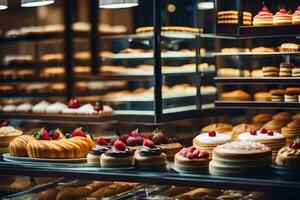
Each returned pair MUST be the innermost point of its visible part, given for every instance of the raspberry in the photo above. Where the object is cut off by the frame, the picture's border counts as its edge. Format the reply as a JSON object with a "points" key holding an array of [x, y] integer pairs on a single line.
{"points": [[270, 133], [253, 132], [263, 131], [120, 145], [212, 134]]}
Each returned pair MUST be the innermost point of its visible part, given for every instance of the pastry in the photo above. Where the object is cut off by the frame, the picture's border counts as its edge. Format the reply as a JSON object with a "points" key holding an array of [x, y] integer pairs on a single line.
{"points": [[296, 72], [82, 56], [7, 73], [52, 72], [17, 59], [282, 116], [296, 16], [52, 57], [241, 128], [150, 156], [273, 140], [263, 18], [231, 72], [82, 70], [289, 156], [81, 27], [291, 131], [4, 89], [270, 71], [93, 157], [240, 157], [235, 95], [18, 146], [112, 189], [25, 107], [260, 119], [170, 29], [9, 108], [25, 73], [257, 73], [262, 49], [289, 47], [277, 95], [282, 17], [286, 69], [234, 50], [274, 125], [231, 17], [7, 134], [55, 108], [296, 116], [40, 107], [117, 157], [54, 28], [39, 88], [262, 96], [208, 141], [219, 127], [57, 87], [191, 160], [291, 94], [199, 193]]}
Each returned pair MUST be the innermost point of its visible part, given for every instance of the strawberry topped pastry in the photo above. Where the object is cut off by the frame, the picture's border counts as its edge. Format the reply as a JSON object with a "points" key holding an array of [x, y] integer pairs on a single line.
{"points": [[282, 17], [102, 145], [289, 156], [263, 18], [296, 16], [150, 156], [191, 160], [52, 144], [118, 156]]}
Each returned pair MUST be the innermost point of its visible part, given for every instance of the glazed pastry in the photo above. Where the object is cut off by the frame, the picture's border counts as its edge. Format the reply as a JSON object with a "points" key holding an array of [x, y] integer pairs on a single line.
{"points": [[25, 107], [240, 157], [273, 140], [286, 69], [208, 141], [282, 17], [289, 156], [113, 189], [191, 160], [235, 95], [260, 119], [40, 107], [219, 127], [7, 134], [150, 156], [289, 47], [270, 71], [291, 131], [118, 156], [277, 95], [93, 158], [261, 49], [17, 147], [263, 18], [55, 108], [296, 16]]}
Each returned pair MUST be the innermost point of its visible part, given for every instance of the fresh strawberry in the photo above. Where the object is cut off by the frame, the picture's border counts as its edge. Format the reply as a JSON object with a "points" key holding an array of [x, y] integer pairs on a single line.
{"points": [[101, 141], [190, 155], [120, 145], [183, 152], [134, 133], [270, 133], [159, 138], [78, 132], [98, 106], [265, 9], [203, 154], [148, 136], [212, 134], [124, 138], [73, 103], [263, 131], [56, 134], [4, 123], [148, 143], [195, 153], [253, 132], [134, 141], [44, 135]]}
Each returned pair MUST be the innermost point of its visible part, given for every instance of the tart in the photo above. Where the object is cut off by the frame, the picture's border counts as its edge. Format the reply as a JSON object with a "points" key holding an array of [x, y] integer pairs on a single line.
{"points": [[93, 157], [191, 160], [296, 16], [118, 156], [289, 156], [282, 17], [263, 18], [150, 156], [240, 157]]}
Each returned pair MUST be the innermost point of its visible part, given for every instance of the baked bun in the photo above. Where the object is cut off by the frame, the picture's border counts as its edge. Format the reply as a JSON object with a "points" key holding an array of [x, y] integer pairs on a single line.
{"points": [[219, 127], [235, 95]]}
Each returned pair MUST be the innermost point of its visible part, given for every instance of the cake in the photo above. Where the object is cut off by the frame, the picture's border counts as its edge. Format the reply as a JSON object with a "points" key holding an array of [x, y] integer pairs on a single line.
{"points": [[219, 127], [118, 156], [55, 108], [291, 131], [296, 16], [260, 119], [291, 94], [270, 71], [191, 160], [289, 156], [25, 107], [93, 157], [208, 141], [43, 144], [286, 69], [263, 18], [239, 158], [277, 95], [8, 133], [40, 107], [282, 17], [235, 95], [150, 156], [273, 140], [289, 47]]}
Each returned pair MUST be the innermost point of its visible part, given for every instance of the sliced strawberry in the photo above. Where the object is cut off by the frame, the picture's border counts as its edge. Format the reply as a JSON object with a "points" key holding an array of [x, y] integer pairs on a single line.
{"points": [[192, 149], [44, 135], [190, 155], [148, 143], [183, 152], [101, 141], [120, 145]]}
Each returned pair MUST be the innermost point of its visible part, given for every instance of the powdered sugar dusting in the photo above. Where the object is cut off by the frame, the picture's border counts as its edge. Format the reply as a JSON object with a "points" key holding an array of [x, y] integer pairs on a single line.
{"points": [[242, 146]]}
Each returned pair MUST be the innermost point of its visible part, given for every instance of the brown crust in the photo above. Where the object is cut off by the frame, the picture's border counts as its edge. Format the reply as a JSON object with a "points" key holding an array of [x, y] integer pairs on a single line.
{"points": [[262, 118], [277, 92]]}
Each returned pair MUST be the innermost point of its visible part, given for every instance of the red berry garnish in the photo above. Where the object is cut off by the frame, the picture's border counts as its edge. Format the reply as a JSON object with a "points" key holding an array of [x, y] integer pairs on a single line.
{"points": [[298, 8], [270, 133], [159, 138], [56, 134], [101, 141], [124, 138], [203, 154], [134, 141], [282, 10], [263, 131], [98, 106], [196, 153], [253, 132], [190, 155], [148, 136], [264, 9], [78, 132], [4, 123], [44, 135], [192, 149], [134, 133], [120, 145], [73, 103], [148, 143], [183, 152], [212, 134]]}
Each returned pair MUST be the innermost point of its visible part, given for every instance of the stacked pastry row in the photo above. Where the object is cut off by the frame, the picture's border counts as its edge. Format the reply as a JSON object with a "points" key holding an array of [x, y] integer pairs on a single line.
{"points": [[37, 88]]}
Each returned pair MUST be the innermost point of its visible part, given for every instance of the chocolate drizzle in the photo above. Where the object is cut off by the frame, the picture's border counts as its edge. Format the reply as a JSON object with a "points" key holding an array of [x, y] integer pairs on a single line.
{"points": [[98, 150], [146, 151], [113, 152]]}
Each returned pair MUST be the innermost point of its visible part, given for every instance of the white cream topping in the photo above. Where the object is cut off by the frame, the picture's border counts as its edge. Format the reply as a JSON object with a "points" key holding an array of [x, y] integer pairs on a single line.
{"points": [[248, 137], [70, 110], [219, 138], [9, 108], [24, 107], [56, 107], [40, 107], [86, 109], [107, 109]]}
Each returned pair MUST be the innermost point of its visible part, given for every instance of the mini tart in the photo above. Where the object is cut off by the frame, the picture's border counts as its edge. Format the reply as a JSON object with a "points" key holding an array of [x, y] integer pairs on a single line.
{"points": [[282, 17], [93, 157], [150, 158], [289, 156], [263, 18], [296, 16], [115, 158]]}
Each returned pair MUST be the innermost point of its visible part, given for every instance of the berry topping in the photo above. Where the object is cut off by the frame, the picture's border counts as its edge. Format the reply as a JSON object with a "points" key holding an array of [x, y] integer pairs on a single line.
{"points": [[193, 153], [134, 141], [212, 134], [78, 132], [183, 152], [192, 149], [270, 133], [264, 9], [190, 155], [101, 141], [113, 139], [4, 123], [98, 106], [148, 143], [203, 154], [148, 136], [159, 138], [119, 145], [263, 131], [282, 11], [134, 133], [253, 132], [42, 135], [73, 103], [298, 8], [55, 134], [124, 138]]}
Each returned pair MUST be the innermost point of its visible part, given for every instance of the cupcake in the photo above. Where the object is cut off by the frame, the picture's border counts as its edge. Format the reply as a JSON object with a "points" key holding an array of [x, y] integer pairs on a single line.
{"points": [[117, 157], [282, 17], [40, 107], [93, 157], [296, 16], [150, 156], [191, 160], [263, 18]]}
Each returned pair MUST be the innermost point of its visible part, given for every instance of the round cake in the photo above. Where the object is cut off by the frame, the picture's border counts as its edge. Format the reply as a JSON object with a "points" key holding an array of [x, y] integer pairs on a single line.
{"points": [[269, 138], [191, 160], [208, 141], [289, 156], [240, 157]]}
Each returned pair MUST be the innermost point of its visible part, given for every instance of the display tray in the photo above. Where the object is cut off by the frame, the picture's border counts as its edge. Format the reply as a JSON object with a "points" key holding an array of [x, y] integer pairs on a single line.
{"points": [[257, 80], [256, 53], [257, 105], [285, 170]]}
